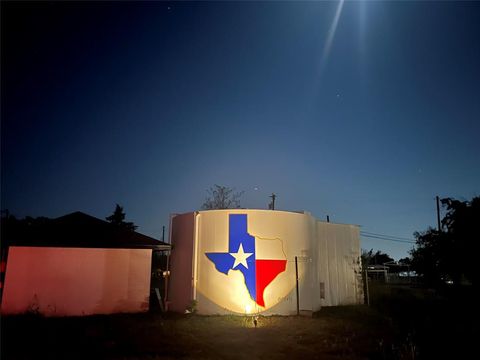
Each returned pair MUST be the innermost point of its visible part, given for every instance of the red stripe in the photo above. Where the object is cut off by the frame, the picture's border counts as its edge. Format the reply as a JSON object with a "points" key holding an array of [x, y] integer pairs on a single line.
{"points": [[266, 272]]}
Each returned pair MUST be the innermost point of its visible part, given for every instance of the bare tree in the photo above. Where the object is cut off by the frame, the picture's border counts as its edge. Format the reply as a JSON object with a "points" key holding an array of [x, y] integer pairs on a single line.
{"points": [[222, 197]]}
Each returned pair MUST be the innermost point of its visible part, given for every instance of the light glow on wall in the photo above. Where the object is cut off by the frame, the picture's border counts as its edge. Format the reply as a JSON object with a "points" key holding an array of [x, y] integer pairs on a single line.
{"points": [[243, 261], [76, 281]]}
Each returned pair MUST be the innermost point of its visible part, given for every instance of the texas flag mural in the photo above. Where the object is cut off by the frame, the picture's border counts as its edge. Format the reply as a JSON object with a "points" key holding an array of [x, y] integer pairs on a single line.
{"points": [[260, 260]]}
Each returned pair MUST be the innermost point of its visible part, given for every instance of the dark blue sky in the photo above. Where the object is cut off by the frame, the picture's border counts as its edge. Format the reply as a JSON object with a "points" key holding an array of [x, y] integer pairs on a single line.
{"points": [[149, 104]]}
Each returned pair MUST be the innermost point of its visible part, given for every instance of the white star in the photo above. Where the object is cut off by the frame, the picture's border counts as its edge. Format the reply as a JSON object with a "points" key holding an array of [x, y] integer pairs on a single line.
{"points": [[240, 257]]}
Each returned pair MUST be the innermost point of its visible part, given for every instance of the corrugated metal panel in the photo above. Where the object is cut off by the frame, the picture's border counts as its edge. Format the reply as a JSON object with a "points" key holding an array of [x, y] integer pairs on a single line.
{"points": [[181, 269]]}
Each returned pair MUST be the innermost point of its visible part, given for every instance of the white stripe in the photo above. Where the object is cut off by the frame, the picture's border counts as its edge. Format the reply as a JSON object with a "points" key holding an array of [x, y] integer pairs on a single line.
{"points": [[269, 249]]}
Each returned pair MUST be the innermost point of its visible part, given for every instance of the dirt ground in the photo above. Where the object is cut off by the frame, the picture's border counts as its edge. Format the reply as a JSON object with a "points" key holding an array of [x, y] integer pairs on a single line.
{"points": [[400, 324]]}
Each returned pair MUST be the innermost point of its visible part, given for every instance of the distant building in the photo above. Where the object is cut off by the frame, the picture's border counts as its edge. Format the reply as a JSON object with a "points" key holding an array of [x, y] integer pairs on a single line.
{"points": [[244, 261], [76, 265]]}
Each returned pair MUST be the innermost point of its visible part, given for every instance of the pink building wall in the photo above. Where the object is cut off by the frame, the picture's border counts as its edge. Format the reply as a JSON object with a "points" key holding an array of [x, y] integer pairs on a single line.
{"points": [[76, 281]]}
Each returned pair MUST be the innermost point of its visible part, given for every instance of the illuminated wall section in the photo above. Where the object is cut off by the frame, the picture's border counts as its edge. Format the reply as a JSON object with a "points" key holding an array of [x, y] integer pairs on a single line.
{"points": [[76, 281], [243, 261]]}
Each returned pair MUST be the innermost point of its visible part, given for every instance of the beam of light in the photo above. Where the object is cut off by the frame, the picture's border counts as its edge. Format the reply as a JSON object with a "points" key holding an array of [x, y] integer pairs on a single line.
{"points": [[362, 39], [331, 35], [362, 14]]}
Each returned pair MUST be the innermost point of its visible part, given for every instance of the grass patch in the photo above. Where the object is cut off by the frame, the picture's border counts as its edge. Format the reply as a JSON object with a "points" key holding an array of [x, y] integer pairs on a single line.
{"points": [[402, 323]]}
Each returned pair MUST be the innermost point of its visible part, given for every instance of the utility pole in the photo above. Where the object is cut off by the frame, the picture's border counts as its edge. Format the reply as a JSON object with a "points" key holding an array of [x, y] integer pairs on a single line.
{"points": [[163, 233], [272, 204], [438, 214]]}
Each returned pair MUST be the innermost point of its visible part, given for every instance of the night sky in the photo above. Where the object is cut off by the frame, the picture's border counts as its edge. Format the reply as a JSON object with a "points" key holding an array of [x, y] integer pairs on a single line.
{"points": [[365, 119]]}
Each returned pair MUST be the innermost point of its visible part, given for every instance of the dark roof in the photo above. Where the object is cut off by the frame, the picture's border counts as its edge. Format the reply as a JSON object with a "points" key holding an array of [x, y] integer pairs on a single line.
{"points": [[80, 230]]}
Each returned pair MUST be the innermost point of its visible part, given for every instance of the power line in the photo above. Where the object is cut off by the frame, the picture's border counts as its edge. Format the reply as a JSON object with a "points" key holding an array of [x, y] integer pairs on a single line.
{"points": [[387, 239], [386, 236]]}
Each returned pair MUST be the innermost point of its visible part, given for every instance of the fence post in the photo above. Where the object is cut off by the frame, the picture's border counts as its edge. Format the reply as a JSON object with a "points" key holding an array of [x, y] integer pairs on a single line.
{"points": [[296, 277], [366, 287]]}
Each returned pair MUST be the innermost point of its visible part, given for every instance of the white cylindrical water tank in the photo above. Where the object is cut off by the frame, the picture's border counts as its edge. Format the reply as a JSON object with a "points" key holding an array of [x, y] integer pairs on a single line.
{"points": [[243, 261]]}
